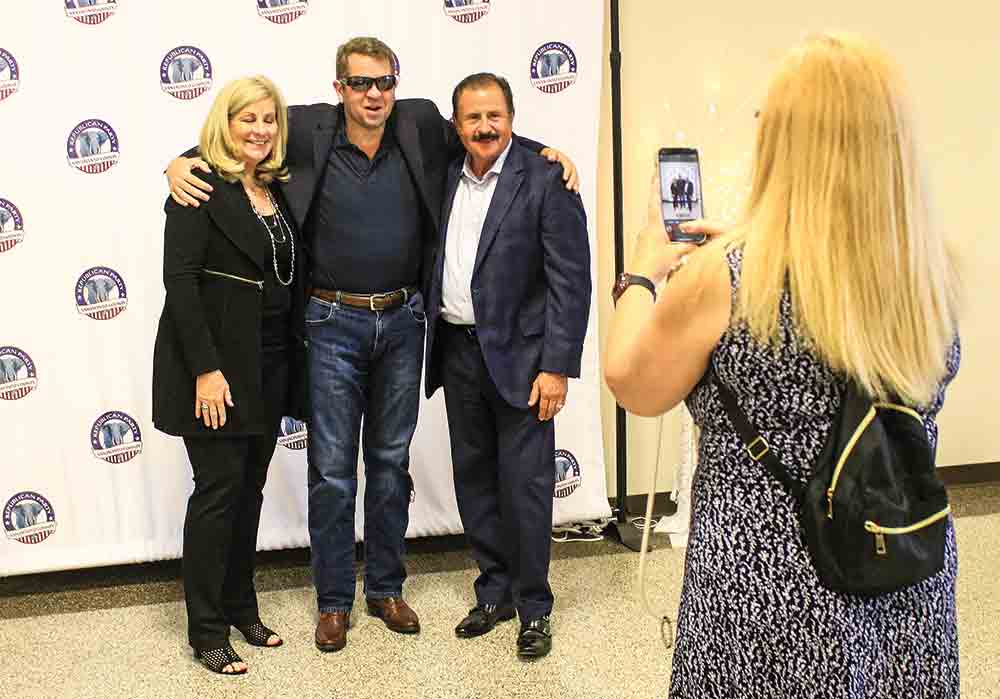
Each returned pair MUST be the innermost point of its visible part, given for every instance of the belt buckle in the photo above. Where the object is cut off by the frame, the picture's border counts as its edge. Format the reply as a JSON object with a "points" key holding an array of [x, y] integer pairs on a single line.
{"points": [[371, 302]]}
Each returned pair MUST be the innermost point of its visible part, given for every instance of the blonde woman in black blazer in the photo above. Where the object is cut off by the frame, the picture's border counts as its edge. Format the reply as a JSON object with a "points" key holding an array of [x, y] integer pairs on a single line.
{"points": [[229, 357]]}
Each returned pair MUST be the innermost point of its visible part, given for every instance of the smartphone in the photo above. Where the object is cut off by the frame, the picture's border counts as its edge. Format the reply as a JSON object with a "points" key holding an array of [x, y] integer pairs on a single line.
{"points": [[680, 192]]}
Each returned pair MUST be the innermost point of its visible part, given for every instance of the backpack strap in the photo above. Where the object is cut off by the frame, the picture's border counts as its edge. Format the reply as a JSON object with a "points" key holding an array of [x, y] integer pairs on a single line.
{"points": [[754, 443]]}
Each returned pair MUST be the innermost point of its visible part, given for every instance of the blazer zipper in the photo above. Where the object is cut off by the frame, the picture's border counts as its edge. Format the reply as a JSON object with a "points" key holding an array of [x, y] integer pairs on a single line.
{"points": [[258, 284], [869, 416], [880, 531]]}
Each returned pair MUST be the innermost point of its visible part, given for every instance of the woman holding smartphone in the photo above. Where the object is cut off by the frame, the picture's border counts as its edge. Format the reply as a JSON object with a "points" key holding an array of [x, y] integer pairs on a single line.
{"points": [[835, 273]]}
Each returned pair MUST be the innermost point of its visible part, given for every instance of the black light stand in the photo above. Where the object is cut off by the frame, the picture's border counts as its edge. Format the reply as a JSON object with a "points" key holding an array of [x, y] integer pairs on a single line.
{"points": [[625, 531]]}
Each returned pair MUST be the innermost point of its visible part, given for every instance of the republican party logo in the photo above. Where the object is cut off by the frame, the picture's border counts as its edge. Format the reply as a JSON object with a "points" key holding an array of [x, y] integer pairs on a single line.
{"points": [[115, 437], [282, 11], [17, 374], [9, 77], [553, 67], [466, 11], [29, 518], [92, 146], [100, 293], [292, 433], [567, 473], [90, 11], [11, 225], [185, 73]]}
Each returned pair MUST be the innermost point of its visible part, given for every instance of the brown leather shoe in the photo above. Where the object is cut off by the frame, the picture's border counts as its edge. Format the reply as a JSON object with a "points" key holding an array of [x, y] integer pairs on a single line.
{"points": [[331, 631], [396, 614]]}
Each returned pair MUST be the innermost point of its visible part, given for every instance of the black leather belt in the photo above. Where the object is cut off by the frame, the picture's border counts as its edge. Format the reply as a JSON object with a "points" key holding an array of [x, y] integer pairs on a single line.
{"points": [[373, 302], [468, 331]]}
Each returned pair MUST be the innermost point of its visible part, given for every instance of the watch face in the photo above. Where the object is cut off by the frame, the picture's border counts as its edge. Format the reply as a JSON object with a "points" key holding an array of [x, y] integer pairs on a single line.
{"points": [[621, 284]]}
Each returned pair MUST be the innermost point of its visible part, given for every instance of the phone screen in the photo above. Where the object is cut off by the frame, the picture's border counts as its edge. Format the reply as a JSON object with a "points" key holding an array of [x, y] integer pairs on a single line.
{"points": [[680, 189]]}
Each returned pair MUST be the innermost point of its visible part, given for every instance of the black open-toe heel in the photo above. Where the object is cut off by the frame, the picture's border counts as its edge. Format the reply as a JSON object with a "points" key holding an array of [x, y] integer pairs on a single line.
{"points": [[217, 659], [257, 634]]}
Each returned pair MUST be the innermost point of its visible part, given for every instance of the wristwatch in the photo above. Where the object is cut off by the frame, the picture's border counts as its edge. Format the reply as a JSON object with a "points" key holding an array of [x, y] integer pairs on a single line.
{"points": [[625, 280]]}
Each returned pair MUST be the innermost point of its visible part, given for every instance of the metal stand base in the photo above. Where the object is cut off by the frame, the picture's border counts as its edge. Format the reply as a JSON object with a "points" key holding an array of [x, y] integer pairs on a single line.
{"points": [[628, 534]]}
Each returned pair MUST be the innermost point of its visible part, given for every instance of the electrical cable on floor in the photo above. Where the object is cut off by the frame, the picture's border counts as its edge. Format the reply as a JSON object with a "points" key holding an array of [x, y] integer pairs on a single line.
{"points": [[666, 623]]}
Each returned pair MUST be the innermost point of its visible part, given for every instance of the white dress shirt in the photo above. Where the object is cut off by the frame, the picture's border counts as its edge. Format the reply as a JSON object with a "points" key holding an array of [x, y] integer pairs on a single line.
{"points": [[465, 226]]}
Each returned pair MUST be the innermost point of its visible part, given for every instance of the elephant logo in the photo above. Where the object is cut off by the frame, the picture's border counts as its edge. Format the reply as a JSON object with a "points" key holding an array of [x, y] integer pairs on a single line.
{"points": [[553, 67], [567, 473], [282, 11], [185, 73], [92, 146], [292, 433], [17, 374], [90, 11], [115, 437], [466, 11], [28, 518], [11, 226], [9, 81], [101, 293]]}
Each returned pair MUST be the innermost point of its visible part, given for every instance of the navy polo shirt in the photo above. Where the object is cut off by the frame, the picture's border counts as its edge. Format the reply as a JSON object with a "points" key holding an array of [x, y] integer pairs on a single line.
{"points": [[365, 224]]}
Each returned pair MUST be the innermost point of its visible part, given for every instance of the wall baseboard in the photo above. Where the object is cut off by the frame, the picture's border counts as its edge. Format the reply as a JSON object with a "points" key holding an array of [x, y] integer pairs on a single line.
{"points": [[951, 476], [970, 474]]}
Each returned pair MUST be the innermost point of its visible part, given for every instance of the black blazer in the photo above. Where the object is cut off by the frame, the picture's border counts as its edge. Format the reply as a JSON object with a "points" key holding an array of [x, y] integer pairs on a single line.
{"points": [[531, 279], [427, 141], [214, 260]]}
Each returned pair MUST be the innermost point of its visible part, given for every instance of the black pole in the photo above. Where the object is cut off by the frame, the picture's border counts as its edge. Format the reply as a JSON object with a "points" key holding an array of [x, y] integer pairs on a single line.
{"points": [[627, 534]]}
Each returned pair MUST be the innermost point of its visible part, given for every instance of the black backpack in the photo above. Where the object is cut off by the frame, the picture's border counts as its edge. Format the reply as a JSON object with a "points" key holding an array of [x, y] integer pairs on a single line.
{"points": [[873, 512]]}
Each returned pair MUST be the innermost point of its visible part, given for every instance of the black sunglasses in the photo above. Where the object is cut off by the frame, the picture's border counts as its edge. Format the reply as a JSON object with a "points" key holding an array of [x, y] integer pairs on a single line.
{"points": [[363, 83]]}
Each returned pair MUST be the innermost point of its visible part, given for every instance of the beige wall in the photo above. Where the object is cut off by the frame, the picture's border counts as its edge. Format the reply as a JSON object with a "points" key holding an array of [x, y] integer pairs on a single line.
{"points": [[692, 74]]}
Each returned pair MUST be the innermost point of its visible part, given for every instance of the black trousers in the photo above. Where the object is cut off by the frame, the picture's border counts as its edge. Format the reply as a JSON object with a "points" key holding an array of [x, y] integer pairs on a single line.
{"points": [[223, 514], [504, 464]]}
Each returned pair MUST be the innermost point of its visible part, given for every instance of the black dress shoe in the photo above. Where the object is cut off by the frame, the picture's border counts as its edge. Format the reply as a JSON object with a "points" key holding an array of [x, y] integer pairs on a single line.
{"points": [[535, 638], [481, 619]]}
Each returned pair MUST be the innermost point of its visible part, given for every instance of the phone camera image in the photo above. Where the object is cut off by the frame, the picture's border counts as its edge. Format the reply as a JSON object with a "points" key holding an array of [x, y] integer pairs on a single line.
{"points": [[680, 192], [680, 185]]}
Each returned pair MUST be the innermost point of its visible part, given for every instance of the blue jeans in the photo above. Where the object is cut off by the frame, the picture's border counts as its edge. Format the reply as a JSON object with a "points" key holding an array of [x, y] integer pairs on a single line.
{"points": [[364, 364]]}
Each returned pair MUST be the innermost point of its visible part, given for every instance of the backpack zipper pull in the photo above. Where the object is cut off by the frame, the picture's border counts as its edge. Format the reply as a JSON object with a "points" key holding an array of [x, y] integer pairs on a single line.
{"points": [[880, 549]]}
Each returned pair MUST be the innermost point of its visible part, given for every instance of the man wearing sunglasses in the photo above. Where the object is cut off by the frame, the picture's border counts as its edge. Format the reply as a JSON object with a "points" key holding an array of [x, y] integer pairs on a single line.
{"points": [[366, 188]]}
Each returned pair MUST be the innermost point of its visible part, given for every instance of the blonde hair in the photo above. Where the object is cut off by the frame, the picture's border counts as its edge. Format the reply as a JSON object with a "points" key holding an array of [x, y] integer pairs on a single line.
{"points": [[216, 143], [839, 210]]}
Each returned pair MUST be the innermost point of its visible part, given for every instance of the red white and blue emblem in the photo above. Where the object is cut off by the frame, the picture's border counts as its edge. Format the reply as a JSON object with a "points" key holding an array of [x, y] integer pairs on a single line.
{"points": [[11, 226], [10, 78], [282, 11], [553, 67], [567, 473], [92, 146], [185, 73], [17, 374], [466, 11], [90, 11], [115, 437], [293, 434], [28, 518], [100, 293]]}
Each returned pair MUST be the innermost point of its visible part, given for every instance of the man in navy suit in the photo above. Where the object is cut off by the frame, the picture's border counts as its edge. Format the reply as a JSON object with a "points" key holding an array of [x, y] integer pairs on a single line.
{"points": [[508, 305]]}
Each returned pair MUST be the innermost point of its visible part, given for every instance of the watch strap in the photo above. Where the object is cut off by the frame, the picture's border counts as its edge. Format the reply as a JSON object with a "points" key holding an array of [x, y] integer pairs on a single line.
{"points": [[625, 280]]}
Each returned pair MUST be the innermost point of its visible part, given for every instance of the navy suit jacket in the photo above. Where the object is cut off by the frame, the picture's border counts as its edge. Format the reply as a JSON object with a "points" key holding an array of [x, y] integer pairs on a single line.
{"points": [[531, 279]]}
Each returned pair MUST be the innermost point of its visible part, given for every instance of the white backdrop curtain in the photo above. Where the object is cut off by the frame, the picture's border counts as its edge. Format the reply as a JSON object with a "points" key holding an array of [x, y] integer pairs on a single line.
{"points": [[96, 97]]}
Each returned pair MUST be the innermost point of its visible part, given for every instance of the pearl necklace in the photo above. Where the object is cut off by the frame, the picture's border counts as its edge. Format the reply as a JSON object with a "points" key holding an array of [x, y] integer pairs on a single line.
{"points": [[279, 221]]}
